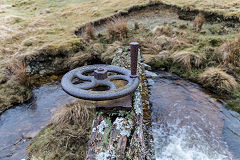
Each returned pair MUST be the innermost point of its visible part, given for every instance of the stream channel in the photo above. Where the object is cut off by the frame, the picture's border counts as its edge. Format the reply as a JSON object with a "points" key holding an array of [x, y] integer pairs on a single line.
{"points": [[188, 124], [19, 124]]}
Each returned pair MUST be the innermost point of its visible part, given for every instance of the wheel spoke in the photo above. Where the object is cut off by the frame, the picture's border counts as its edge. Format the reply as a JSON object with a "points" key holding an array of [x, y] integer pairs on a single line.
{"points": [[86, 85], [120, 77], [83, 77], [111, 85]]}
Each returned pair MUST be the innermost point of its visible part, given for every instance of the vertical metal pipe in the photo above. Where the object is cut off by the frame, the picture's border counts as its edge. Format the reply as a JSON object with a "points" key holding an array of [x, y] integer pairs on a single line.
{"points": [[134, 58]]}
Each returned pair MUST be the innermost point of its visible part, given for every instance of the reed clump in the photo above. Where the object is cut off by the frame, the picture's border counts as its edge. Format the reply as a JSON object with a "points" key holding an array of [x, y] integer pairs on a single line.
{"points": [[67, 135], [198, 22], [18, 72], [90, 31], [218, 80], [187, 59], [117, 28]]}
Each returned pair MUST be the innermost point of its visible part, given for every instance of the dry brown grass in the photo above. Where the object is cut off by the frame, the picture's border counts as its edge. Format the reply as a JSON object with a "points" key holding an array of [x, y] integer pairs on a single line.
{"points": [[73, 114], [108, 55], [67, 136], [225, 7], [187, 58], [89, 30], [162, 30], [18, 72], [153, 45], [136, 25], [179, 42], [198, 22], [218, 80], [117, 28], [230, 53], [238, 38], [168, 38], [226, 51]]}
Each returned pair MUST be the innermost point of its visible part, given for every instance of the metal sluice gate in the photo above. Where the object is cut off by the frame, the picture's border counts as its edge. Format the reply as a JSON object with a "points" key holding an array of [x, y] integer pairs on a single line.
{"points": [[83, 81]]}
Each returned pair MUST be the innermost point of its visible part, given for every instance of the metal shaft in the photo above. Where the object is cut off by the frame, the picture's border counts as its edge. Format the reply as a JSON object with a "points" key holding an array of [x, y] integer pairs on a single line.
{"points": [[134, 58], [100, 74]]}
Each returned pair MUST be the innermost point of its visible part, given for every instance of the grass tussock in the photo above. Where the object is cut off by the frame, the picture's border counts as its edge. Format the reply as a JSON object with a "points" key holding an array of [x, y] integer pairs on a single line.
{"points": [[179, 42], [162, 30], [218, 80], [117, 28], [18, 72], [187, 59], [238, 38], [89, 31], [153, 45], [230, 52], [109, 53], [198, 22], [74, 114], [67, 136], [136, 25]]}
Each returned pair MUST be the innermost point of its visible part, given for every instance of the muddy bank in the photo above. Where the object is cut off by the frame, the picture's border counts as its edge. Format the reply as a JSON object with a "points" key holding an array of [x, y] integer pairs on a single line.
{"points": [[185, 13]]}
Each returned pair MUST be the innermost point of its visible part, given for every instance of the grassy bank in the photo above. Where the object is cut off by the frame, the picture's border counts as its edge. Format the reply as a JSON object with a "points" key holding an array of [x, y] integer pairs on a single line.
{"points": [[227, 8], [66, 137], [209, 56], [37, 38], [202, 52], [40, 34]]}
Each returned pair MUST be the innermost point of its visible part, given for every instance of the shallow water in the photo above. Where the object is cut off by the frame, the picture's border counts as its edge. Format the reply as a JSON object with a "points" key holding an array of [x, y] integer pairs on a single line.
{"points": [[27, 120], [150, 17], [188, 124]]}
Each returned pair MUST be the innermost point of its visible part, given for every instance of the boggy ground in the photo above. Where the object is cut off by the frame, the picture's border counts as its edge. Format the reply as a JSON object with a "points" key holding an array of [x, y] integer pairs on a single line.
{"points": [[37, 37], [204, 52], [207, 55], [35, 43]]}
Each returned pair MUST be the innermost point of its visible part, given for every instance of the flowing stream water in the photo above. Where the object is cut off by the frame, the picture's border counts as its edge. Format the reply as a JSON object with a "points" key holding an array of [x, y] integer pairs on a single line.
{"points": [[188, 124], [19, 124]]}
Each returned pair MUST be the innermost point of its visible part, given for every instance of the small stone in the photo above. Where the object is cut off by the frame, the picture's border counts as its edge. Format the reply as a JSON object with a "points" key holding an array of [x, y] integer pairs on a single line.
{"points": [[42, 72], [45, 11], [31, 134], [146, 66], [150, 74], [28, 69], [150, 82]]}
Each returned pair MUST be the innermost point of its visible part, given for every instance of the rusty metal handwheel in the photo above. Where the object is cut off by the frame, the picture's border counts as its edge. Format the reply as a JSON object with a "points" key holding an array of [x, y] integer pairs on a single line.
{"points": [[85, 90]]}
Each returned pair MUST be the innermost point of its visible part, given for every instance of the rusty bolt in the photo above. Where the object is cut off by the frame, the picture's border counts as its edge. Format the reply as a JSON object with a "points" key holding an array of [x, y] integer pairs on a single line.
{"points": [[100, 74], [134, 58]]}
